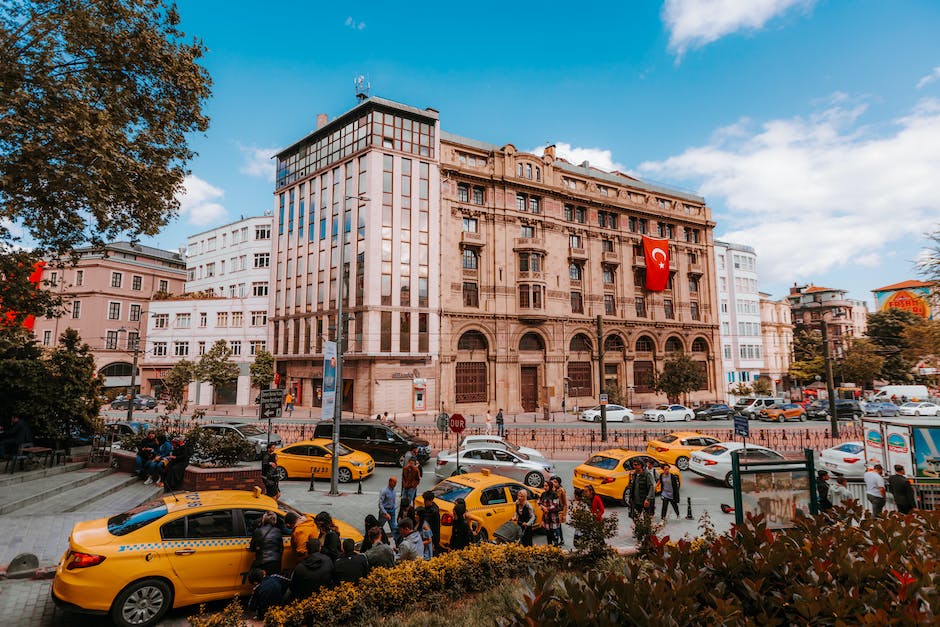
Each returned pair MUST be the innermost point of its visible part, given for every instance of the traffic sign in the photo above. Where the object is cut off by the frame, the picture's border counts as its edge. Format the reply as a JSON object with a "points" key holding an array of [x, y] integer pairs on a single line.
{"points": [[443, 420], [603, 399], [271, 401], [741, 426], [457, 423]]}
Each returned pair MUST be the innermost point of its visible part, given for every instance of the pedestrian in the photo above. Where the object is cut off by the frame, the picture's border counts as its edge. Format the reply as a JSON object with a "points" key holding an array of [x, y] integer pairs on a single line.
{"points": [[500, 423], [654, 476], [351, 566], [411, 547], [156, 467], [822, 491], [524, 516], [902, 490], [268, 591], [329, 536], [669, 490], [563, 508], [175, 471], [303, 531], [146, 449], [640, 490], [427, 536], [410, 478], [432, 514], [875, 489], [379, 553], [408, 511], [385, 416], [489, 422], [460, 534], [839, 494], [550, 506], [387, 506], [595, 502], [269, 471], [313, 572], [267, 543], [378, 416]]}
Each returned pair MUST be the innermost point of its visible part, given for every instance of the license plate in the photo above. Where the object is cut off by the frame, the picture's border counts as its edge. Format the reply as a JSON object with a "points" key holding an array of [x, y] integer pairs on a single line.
{"points": [[830, 464]]}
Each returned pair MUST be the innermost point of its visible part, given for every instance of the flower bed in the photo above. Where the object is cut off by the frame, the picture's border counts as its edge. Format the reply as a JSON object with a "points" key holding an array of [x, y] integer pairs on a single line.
{"points": [[244, 477]]}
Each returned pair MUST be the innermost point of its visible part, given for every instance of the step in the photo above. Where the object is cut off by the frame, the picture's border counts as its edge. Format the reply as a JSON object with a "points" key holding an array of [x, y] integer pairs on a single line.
{"points": [[30, 475], [86, 497], [125, 499], [14, 497]]}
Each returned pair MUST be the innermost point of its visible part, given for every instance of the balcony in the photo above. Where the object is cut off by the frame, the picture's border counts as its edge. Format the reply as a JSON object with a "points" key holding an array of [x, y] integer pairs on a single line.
{"points": [[529, 243], [531, 275], [611, 257], [577, 253], [529, 315], [469, 238]]}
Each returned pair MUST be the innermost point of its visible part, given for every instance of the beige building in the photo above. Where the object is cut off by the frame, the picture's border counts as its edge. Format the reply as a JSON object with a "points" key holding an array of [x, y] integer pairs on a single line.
{"points": [[476, 273], [108, 291], [845, 317], [777, 333]]}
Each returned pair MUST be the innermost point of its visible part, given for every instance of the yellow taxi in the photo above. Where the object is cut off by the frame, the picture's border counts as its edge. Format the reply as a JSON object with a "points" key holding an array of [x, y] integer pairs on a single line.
{"points": [[490, 499], [676, 448], [609, 472], [171, 552], [300, 459]]}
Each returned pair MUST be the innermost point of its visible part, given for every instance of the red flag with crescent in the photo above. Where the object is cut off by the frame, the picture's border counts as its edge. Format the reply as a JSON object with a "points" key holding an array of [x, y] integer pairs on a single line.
{"points": [[656, 252]]}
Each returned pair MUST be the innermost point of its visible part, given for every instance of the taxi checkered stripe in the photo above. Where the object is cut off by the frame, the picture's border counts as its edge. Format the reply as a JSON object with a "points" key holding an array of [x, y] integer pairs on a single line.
{"points": [[177, 544]]}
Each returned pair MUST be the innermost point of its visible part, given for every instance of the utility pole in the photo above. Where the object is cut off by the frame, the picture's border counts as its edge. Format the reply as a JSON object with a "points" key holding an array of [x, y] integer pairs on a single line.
{"points": [[600, 377], [830, 388]]}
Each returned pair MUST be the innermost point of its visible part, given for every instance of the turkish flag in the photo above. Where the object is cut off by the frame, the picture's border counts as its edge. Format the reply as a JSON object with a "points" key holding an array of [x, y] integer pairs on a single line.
{"points": [[656, 252]]}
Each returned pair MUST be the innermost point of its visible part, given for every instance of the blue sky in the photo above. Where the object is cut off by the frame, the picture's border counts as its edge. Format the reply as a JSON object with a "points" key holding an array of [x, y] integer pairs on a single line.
{"points": [[812, 127]]}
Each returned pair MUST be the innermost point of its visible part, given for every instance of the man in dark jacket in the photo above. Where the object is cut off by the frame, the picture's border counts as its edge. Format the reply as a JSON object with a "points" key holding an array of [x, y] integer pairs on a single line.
{"points": [[176, 468], [822, 491], [351, 566], [16, 436], [313, 572], [641, 492], [432, 516], [269, 591], [902, 490], [267, 543], [146, 450]]}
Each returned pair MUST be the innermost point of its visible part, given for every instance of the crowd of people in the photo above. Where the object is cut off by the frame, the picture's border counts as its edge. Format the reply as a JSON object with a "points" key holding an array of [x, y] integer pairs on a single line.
{"points": [[162, 460], [649, 482]]}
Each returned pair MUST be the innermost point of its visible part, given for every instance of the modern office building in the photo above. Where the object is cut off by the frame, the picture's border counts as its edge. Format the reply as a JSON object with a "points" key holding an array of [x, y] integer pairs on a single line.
{"points": [[474, 273], [742, 344], [777, 332], [812, 305], [106, 295]]}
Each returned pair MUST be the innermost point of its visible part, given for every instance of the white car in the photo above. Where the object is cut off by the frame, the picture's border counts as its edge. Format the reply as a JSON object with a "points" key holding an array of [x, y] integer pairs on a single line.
{"points": [[534, 472], [847, 459], [666, 413], [615, 413], [714, 462], [483, 440], [920, 409]]}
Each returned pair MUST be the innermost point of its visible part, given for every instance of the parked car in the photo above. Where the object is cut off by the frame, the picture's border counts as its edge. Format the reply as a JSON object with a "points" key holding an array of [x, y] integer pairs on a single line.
{"points": [[881, 408], [714, 462], [471, 441], [298, 460], [533, 472], [256, 435], [386, 442], [677, 448], [666, 413], [713, 411], [141, 401], [847, 459], [920, 409], [751, 406], [845, 410], [615, 413], [783, 412]]}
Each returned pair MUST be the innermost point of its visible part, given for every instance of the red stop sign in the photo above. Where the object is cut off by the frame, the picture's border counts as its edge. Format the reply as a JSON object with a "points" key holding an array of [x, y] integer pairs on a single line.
{"points": [[457, 423]]}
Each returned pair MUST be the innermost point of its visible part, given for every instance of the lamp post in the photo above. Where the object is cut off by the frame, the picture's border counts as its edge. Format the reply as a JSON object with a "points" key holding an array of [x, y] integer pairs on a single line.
{"points": [[830, 387], [132, 395]]}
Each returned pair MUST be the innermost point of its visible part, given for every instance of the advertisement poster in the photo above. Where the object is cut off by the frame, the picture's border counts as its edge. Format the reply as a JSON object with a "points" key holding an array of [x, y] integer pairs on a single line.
{"points": [[874, 444], [898, 446], [927, 452], [778, 495], [329, 380]]}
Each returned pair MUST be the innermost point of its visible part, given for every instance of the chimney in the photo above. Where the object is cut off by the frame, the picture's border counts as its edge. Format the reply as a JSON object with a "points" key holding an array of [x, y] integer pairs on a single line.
{"points": [[322, 119], [549, 152]]}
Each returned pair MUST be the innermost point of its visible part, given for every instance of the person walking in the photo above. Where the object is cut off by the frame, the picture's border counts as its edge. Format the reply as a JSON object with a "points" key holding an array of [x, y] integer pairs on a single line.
{"points": [[902, 490], [594, 501], [550, 506], [562, 509], [387, 506], [822, 491], [669, 490], [875, 489], [654, 478], [500, 423], [329, 535], [269, 471], [524, 516], [489, 422], [410, 478], [460, 533], [289, 403], [641, 491], [267, 543], [432, 515], [379, 553]]}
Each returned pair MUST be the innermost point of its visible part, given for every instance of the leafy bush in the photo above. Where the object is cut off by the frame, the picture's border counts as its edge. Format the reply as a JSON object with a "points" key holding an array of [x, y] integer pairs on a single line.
{"points": [[591, 535], [388, 590], [221, 450], [847, 570], [232, 616]]}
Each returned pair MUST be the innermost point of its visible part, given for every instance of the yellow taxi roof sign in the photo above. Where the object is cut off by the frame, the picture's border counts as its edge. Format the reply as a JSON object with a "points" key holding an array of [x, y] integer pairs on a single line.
{"points": [[485, 472]]}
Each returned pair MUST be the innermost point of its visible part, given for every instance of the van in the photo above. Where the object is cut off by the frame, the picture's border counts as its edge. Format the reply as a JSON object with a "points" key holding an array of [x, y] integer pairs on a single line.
{"points": [[385, 441], [751, 406], [902, 393]]}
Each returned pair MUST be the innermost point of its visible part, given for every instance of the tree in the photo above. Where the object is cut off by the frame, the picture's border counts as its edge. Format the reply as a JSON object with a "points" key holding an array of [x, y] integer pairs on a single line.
{"points": [[615, 395], [76, 387], [177, 382], [923, 343], [97, 99], [861, 363], [806, 371], [886, 331], [740, 389], [680, 375], [22, 374], [762, 387], [262, 370], [217, 368], [807, 344]]}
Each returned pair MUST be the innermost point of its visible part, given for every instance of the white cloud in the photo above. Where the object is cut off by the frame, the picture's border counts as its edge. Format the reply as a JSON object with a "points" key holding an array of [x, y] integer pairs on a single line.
{"points": [[199, 202], [351, 22], [819, 193], [696, 23], [934, 75], [259, 162], [597, 157]]}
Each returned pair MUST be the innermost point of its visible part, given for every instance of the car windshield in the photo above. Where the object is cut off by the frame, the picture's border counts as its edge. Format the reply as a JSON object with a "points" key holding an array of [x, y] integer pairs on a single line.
{"points": [[401, 432], [911, 405], [140, 516], [662, 407], [602, 462], [666, 439], [287, 508], [342, 449], [249, 430], [450, 491], [851, 448], [715, 449]]}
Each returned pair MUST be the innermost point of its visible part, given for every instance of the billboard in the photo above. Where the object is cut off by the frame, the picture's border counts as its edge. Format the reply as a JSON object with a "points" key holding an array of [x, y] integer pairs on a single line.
{"points": [[329, 381], [926, 453], [914, 297], [898, 448], [780, 495], [874, 444]]}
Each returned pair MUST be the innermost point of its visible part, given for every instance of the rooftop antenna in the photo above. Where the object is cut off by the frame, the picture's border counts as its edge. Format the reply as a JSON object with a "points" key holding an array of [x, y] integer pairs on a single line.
{"points": [[362, 88]]}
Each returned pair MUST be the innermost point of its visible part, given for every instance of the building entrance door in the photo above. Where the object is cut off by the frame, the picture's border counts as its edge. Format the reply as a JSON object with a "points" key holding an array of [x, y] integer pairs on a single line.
{"points": [[530, 388]]}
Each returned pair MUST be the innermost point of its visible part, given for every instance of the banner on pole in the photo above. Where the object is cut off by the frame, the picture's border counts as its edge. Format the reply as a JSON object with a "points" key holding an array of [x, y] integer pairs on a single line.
{"points": [[329, 380]]}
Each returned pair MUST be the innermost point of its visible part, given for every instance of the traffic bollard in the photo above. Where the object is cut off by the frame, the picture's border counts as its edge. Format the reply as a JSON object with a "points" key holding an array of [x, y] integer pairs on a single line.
{"points": [[359, 489], [688, 511], [312, 486]]}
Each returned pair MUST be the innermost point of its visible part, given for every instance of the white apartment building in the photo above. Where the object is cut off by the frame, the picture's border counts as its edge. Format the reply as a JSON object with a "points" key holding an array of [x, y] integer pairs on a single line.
{"points": [[777, 330], [742, 351], [226, 297]]}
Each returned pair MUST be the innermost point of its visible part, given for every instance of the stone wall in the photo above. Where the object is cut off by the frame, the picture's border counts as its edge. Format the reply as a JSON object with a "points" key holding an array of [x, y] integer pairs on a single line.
{"points": [[237, 478]]}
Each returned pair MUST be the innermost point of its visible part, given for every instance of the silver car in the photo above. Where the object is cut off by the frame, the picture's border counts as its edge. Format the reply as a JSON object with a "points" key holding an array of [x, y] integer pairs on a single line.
{"points": [[257, 436], [533, 472]]}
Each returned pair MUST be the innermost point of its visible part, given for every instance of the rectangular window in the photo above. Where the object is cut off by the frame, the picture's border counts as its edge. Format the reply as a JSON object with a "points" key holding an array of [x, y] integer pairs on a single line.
{"points": [[137, 283], [610, 306], [159, 349], [527, 231], [259, 288], [643, 376], [470, 295], [200, 348], [640, 306], [580, 378], [210, 270], [385, 335], [114, 311], [79, 277], [470, 382], [470, 225], [520, 202], [607, 275], [183, 321], [238, 319], [404, 332], [574, 241], [236, 347], [46, 338], [580, 215], [693, 283], [221, 319], [116, 279], [423, 335], [535, 204], [161, 321], [668, 309], [422, 292], [463, 192], [111, 340], [77, 309], [469, 258], [180, 349], [262, 260], [164, 287], [478, 196], [263, 232], [693, 310], [577, 303], [256, 346]]}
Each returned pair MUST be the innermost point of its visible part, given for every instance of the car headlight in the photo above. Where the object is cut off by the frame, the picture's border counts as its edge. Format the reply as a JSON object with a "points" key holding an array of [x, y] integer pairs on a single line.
{"points": [[356, 464], [548, 468]]}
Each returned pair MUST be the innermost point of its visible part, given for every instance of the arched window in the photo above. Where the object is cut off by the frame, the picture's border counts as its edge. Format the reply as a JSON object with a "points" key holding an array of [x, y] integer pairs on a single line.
{"points": [[472, 341], [531, 342], [519, 170], [580, 343], [673, 345], [699, 346], [644, 344], [538, 174], [120, 369], [613, 343]]}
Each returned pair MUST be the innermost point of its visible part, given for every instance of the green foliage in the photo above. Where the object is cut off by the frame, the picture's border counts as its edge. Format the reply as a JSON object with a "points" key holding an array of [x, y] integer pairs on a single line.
{"points": [[98, 101], [923, 341], [177, 382], [615, 395], [886, 331], [20, 297], [849, 569], [22, 374], [741, 389], [216, 366], [680, 375], [221, 450], [807, 344], [232, 616], [262, 370], [806, 371], [762, 387], [71, 373], [590, 541], [861, 363]]}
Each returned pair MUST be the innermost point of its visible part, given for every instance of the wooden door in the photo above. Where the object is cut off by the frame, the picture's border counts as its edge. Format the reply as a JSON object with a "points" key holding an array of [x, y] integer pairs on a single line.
{"points": [[530, 387]]}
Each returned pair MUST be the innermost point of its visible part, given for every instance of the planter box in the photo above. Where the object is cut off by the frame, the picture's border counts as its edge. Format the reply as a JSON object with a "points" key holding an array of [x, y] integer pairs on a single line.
{"points": [[195, 478]]}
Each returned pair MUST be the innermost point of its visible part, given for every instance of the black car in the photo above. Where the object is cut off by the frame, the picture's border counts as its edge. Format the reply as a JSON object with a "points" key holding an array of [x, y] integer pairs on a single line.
{"points": [[713, 411], [141, 401], [385, 441], [845, 410]]}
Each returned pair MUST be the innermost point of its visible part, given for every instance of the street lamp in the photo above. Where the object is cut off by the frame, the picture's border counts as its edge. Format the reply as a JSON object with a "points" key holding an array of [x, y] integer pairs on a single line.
{"points": [[830, 387]]}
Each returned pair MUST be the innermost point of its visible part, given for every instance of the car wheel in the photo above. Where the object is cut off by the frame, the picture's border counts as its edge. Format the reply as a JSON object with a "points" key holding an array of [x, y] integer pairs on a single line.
{"points": [[534, 479], [878, 413], [802, 417], [344, 475], [682, 463], [688, 417], [625, 500], [280, 473], [141, 604], [729, 480], [917, 413], [661, 418]]}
